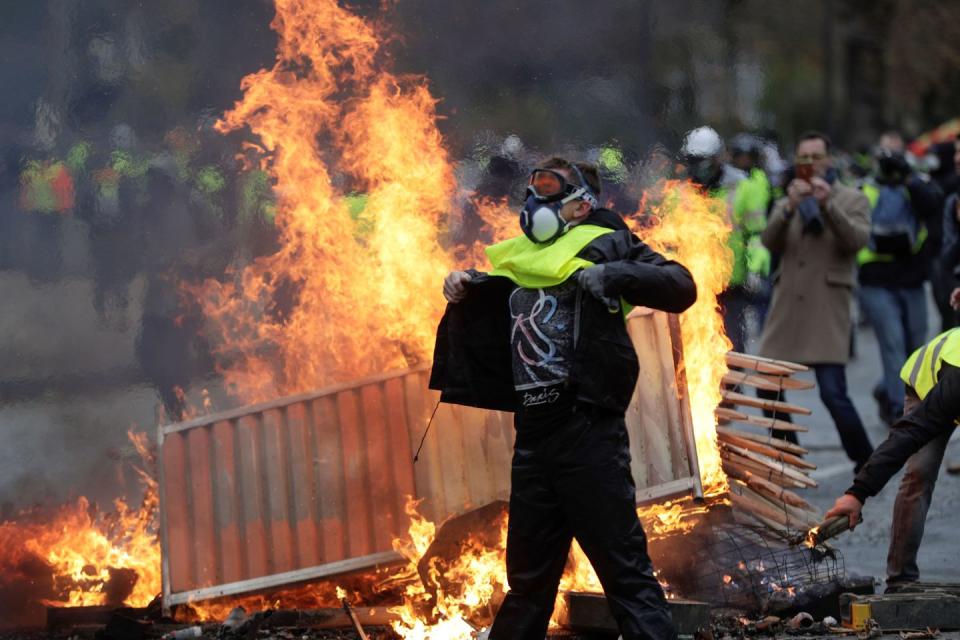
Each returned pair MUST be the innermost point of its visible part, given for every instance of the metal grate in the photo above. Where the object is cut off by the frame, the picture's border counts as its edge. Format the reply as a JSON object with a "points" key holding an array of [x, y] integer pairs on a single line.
{"points": [[743, 568]]}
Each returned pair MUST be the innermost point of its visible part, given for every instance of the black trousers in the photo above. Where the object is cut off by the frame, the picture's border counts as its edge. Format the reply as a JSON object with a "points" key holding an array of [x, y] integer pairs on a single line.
{"points": [[575, 481]]}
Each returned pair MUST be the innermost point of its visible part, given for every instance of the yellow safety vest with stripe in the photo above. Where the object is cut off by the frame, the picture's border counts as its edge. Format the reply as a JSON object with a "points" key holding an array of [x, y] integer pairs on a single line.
{"points": [[533, 266], [922, 369], [868, 255]]}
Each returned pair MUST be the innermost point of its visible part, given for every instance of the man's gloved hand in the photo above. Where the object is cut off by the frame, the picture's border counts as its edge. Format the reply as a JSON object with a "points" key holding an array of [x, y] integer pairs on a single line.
{"points": [[846, 505], [591, 279], [455, 286]]}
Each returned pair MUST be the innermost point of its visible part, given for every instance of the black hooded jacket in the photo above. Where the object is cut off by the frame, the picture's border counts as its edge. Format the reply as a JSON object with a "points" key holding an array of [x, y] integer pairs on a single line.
{"points": [[472, 364]]}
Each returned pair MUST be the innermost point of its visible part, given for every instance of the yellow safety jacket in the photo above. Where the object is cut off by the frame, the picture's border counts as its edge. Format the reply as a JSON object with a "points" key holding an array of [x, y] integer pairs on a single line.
{"points": [[534, 266], [922, 369], [868, 255]]}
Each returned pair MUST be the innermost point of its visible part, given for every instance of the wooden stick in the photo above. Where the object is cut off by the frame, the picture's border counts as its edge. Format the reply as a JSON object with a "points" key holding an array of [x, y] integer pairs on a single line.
{"points": [[734, 378], [808, 518], [353, 619], [758, 458], [751, 505], [726, 413], [770, 405], [748, 361], [768, 382], [768, 440], [767, 523], [774, 475], [766, 450], [786, 382], [733, 461], [780, 467], [789, 516], [771, 490]]}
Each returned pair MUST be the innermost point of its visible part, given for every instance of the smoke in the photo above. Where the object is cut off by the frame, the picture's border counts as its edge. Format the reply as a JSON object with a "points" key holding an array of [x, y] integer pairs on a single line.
{"points": [[89, 268]]}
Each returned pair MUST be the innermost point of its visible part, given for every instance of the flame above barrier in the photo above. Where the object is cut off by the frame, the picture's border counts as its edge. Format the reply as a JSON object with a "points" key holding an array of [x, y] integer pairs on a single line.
{"points": [[692, 228], [348, 294], [352, 293]]}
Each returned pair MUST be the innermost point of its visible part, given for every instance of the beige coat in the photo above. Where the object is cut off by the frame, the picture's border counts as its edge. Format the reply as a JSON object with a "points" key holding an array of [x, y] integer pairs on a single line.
{"points": [[809, 319]]}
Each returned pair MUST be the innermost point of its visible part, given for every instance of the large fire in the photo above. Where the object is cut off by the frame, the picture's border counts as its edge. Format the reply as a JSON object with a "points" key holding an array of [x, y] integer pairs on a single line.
{"points": [[693, 229], [85, 557], [351, 294], [344, 297]]}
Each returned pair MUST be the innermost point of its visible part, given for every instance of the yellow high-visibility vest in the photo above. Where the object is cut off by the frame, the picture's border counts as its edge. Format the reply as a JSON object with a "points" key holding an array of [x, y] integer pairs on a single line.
{"points": [[922, 369], [867, 255], [533, 266]]}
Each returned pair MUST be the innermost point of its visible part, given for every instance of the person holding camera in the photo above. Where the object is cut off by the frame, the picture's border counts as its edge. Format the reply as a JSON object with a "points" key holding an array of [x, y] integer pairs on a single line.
{"points": [[817, 230], [894, 266]]}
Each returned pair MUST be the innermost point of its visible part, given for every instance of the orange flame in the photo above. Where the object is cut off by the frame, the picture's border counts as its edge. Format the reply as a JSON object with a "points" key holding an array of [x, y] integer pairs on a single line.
{"points": [[85, 550], [693, 229], [462, 589], [342, 298]]}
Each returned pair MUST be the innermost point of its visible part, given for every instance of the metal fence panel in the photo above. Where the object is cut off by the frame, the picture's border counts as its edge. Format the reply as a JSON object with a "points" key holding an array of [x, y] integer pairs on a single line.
{"points": [[315, 484]]}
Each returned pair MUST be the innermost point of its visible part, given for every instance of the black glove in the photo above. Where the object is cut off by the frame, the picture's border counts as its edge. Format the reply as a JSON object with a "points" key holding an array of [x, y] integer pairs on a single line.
{"points": [[591, 279]]}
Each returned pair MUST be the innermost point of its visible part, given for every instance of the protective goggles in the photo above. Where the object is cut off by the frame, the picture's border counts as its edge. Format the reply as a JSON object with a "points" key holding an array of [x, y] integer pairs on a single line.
{"points": [[547, 185]]}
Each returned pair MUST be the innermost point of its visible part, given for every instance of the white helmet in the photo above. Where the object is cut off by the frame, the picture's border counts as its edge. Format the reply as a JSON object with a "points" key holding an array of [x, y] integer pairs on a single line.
{"points": [[702, 142]]}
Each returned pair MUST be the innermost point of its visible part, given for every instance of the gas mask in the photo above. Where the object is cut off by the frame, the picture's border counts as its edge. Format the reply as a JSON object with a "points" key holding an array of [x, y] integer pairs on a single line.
{"points": [[547, 193]]}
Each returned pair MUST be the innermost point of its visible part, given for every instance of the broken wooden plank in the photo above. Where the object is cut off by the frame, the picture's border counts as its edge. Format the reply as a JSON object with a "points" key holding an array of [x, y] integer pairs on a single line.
{"points": [[780, 467], [737, 378], [726, 413], [764, 365], [769, 489], [772, 472], [791, 517], [765, 449], [787, 383], [769, 440], [732, 461], [766, 382], [741, 399]]}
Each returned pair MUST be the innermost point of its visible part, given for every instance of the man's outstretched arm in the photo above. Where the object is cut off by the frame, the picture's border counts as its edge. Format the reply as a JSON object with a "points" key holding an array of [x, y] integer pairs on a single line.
{"points": [[935, 414]]}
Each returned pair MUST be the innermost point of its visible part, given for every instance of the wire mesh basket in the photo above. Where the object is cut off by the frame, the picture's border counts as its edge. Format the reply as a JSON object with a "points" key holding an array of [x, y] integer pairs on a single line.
{"points": [[742, 568]]}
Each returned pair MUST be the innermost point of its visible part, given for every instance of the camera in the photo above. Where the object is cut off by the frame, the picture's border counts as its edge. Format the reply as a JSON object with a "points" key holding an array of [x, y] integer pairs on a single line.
{"points": [[893, 167]]}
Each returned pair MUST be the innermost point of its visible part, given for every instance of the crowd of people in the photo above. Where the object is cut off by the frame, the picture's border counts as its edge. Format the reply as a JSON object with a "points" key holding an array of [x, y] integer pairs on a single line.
{"points": [[878, 225], [174, 208], [540, 335]]}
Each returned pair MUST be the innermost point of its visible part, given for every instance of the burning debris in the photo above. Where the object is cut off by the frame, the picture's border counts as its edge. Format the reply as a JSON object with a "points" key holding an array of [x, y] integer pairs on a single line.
{"points": [[78, 555], [345, 298]]}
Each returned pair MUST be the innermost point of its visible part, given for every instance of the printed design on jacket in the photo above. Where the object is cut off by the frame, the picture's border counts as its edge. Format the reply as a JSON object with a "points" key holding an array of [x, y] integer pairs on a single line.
{"points": [[541, 340]]}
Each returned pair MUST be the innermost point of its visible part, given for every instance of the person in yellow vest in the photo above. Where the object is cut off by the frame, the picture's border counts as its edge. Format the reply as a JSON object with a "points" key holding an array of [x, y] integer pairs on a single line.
{"points": [[543, 335], [917, 441], [894, 266], [750, 205]]}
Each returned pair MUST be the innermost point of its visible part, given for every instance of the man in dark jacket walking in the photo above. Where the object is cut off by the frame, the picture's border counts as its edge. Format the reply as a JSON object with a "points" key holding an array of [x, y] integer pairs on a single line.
{"points": [[543, 335]]}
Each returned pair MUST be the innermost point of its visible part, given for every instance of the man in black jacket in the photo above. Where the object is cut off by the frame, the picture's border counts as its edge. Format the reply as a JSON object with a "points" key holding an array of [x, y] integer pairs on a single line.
{"points": [[543, 335]]}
